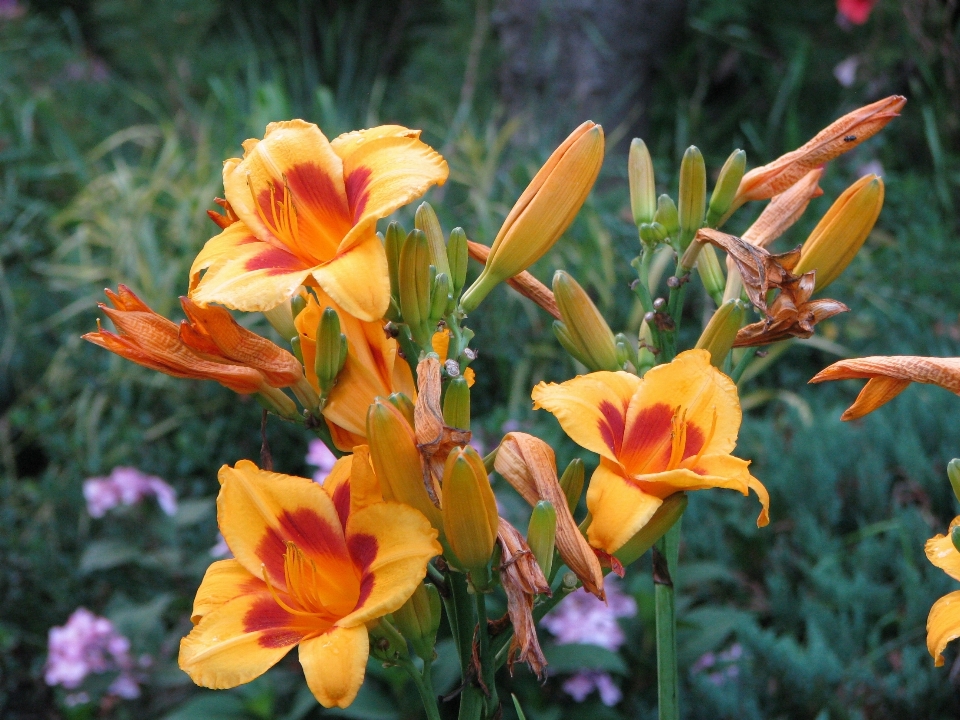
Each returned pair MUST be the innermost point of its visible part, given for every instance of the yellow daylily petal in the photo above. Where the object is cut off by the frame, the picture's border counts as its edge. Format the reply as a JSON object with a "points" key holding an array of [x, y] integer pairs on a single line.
{"points": [[289, 189], [240, 641], [244, 273], [393, 544], [942, 553], [592, 408], [943, 625], [357, 279], [334, 664], [618, 507], [384, 169], [337, 486], [223, 581]]}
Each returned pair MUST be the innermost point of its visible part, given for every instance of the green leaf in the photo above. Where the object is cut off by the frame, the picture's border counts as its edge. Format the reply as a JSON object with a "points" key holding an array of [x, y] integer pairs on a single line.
{"points": [[106, 554], [209, 706], [190, 512], [574, 657], [516, 705], [371, 704]]}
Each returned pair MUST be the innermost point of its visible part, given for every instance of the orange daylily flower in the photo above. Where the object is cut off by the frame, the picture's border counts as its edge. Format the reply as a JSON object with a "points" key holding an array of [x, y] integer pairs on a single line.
{"points": [[308, 210], [889, 376], [313, 566], [837, 138], [943, 623], [210, 345], [672, 430], [373, 369]]}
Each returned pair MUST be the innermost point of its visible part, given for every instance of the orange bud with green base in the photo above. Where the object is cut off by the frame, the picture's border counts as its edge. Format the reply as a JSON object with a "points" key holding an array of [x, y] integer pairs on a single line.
{"points": [[470, 517]]}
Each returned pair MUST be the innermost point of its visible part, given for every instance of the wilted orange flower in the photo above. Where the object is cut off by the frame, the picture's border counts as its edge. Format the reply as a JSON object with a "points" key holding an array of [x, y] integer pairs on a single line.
{"points": [[889, 376], [307, 210], [314, 565], [837, 138], [943, 623], [210, 346], [373, 369], [670, 431]]}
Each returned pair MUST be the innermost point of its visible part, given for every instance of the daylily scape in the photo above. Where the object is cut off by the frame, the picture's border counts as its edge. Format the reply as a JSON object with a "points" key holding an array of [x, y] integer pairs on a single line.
{"points": [[373, 354]]}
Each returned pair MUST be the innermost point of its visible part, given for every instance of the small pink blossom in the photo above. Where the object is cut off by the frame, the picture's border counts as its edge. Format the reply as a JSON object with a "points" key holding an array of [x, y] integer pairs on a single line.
{"points": [[89, 644], [11, 9], [220, 550], [856, 12], [319, 455], [127, 486], [583, 683]]}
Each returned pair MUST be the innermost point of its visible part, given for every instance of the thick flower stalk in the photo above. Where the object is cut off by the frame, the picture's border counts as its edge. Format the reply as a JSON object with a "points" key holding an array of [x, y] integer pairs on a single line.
{"points": [[306, 211], [670, 431], [313, 567]]}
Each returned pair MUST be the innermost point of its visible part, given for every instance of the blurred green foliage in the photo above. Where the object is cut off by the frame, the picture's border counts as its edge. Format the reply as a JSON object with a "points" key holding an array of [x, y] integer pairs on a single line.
{"points": [[114, 117]]}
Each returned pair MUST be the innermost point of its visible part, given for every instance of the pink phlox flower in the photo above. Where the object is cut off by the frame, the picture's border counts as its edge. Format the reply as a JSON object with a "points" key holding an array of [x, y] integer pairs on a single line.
{"points": [[220, 550], [127, 486], [723, 666], [855, 11], [583, 683], [319, 455], [85, 645], [11, 9]]}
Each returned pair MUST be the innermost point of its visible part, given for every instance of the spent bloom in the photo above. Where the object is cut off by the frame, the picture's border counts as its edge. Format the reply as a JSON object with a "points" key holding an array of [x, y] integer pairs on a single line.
{"points": [[127, 486], [584, 619], [89, 644]]}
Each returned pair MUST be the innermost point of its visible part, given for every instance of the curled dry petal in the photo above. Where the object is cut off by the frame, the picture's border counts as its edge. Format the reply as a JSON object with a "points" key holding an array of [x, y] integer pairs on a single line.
{"points": [[837, 138], [784, 210], [528, 464], [888, 376], [522, 580], [434, 438], [524, 283]]}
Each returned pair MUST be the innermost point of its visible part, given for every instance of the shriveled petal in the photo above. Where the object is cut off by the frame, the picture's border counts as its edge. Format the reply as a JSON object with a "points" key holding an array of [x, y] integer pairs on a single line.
{"points": [[384, 169], [260, 511], [244, 273], [783, 211], [694, 392], [943, 625], [618, 507], [294, 165], [944, 372], [592, 409], [223, 581], [357, 279], [334, 664], [942, 553], [392, 544], [240, 641]]}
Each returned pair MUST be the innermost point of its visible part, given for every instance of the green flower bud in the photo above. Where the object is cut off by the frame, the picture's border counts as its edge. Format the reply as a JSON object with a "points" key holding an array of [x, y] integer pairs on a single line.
{"points": [[427, 221], [456, 404], [667, 215], [711, 273], [297, 304], [281, 318], [571, 482], [457, 256], [721, 331], [584, 324], [726, 188], [295, 346], [415, 286], [542, 534], [693, 195], [404, 404], [439, 297], [645, 357], [331, 351], [418, 620], [392, 243], [625, 352], [653, 233], [568, 343], [953, 472], [643, 193], [470, 518]]}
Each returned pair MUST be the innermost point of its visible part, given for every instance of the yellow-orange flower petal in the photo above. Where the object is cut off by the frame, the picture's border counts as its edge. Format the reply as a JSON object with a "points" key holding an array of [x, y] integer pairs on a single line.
{"points": [[357, 278], [223, 581], [942, 553], [943, 625], [618, 507], [334, 664], [889, 376], [592, 409]]}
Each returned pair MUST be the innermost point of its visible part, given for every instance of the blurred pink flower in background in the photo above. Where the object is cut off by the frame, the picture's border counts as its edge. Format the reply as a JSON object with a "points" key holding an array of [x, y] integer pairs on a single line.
{"points": [[11, 9], [856, 12], [583, 619], [320, 457], [126, 486], [88, 644]]}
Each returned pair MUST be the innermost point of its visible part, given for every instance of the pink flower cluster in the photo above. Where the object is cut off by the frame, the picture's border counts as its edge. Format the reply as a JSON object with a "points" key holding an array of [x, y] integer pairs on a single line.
{"points": [[89, 644], [583, 619], [320, 457], [722, 666], [126, 486]]}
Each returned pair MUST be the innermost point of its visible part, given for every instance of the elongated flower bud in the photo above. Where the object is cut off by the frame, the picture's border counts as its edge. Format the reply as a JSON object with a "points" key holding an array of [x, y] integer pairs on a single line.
{"points": [[426, 220], [419, 619], [585, 326], [643, 192], [404, 404], [396, 460], [571, 482], [415, 285], [331, 352], [568, 343], [281, 319], [693, 195], [841, 232], [667, 215], [543, 212], [457, 255], [439, 297], [542, 534], [625, 352], [953, 473], [721, 332], [392, 244], [726, 188], [470, 517], [456, 404], [711, 274], [663, 519]]}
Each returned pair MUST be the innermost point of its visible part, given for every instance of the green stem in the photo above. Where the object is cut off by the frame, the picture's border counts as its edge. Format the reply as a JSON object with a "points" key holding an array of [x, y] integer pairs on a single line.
{"points": [[460, 613], [742, 365], [665, 557], [410, 349], [424, 683], [488, 667]]}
